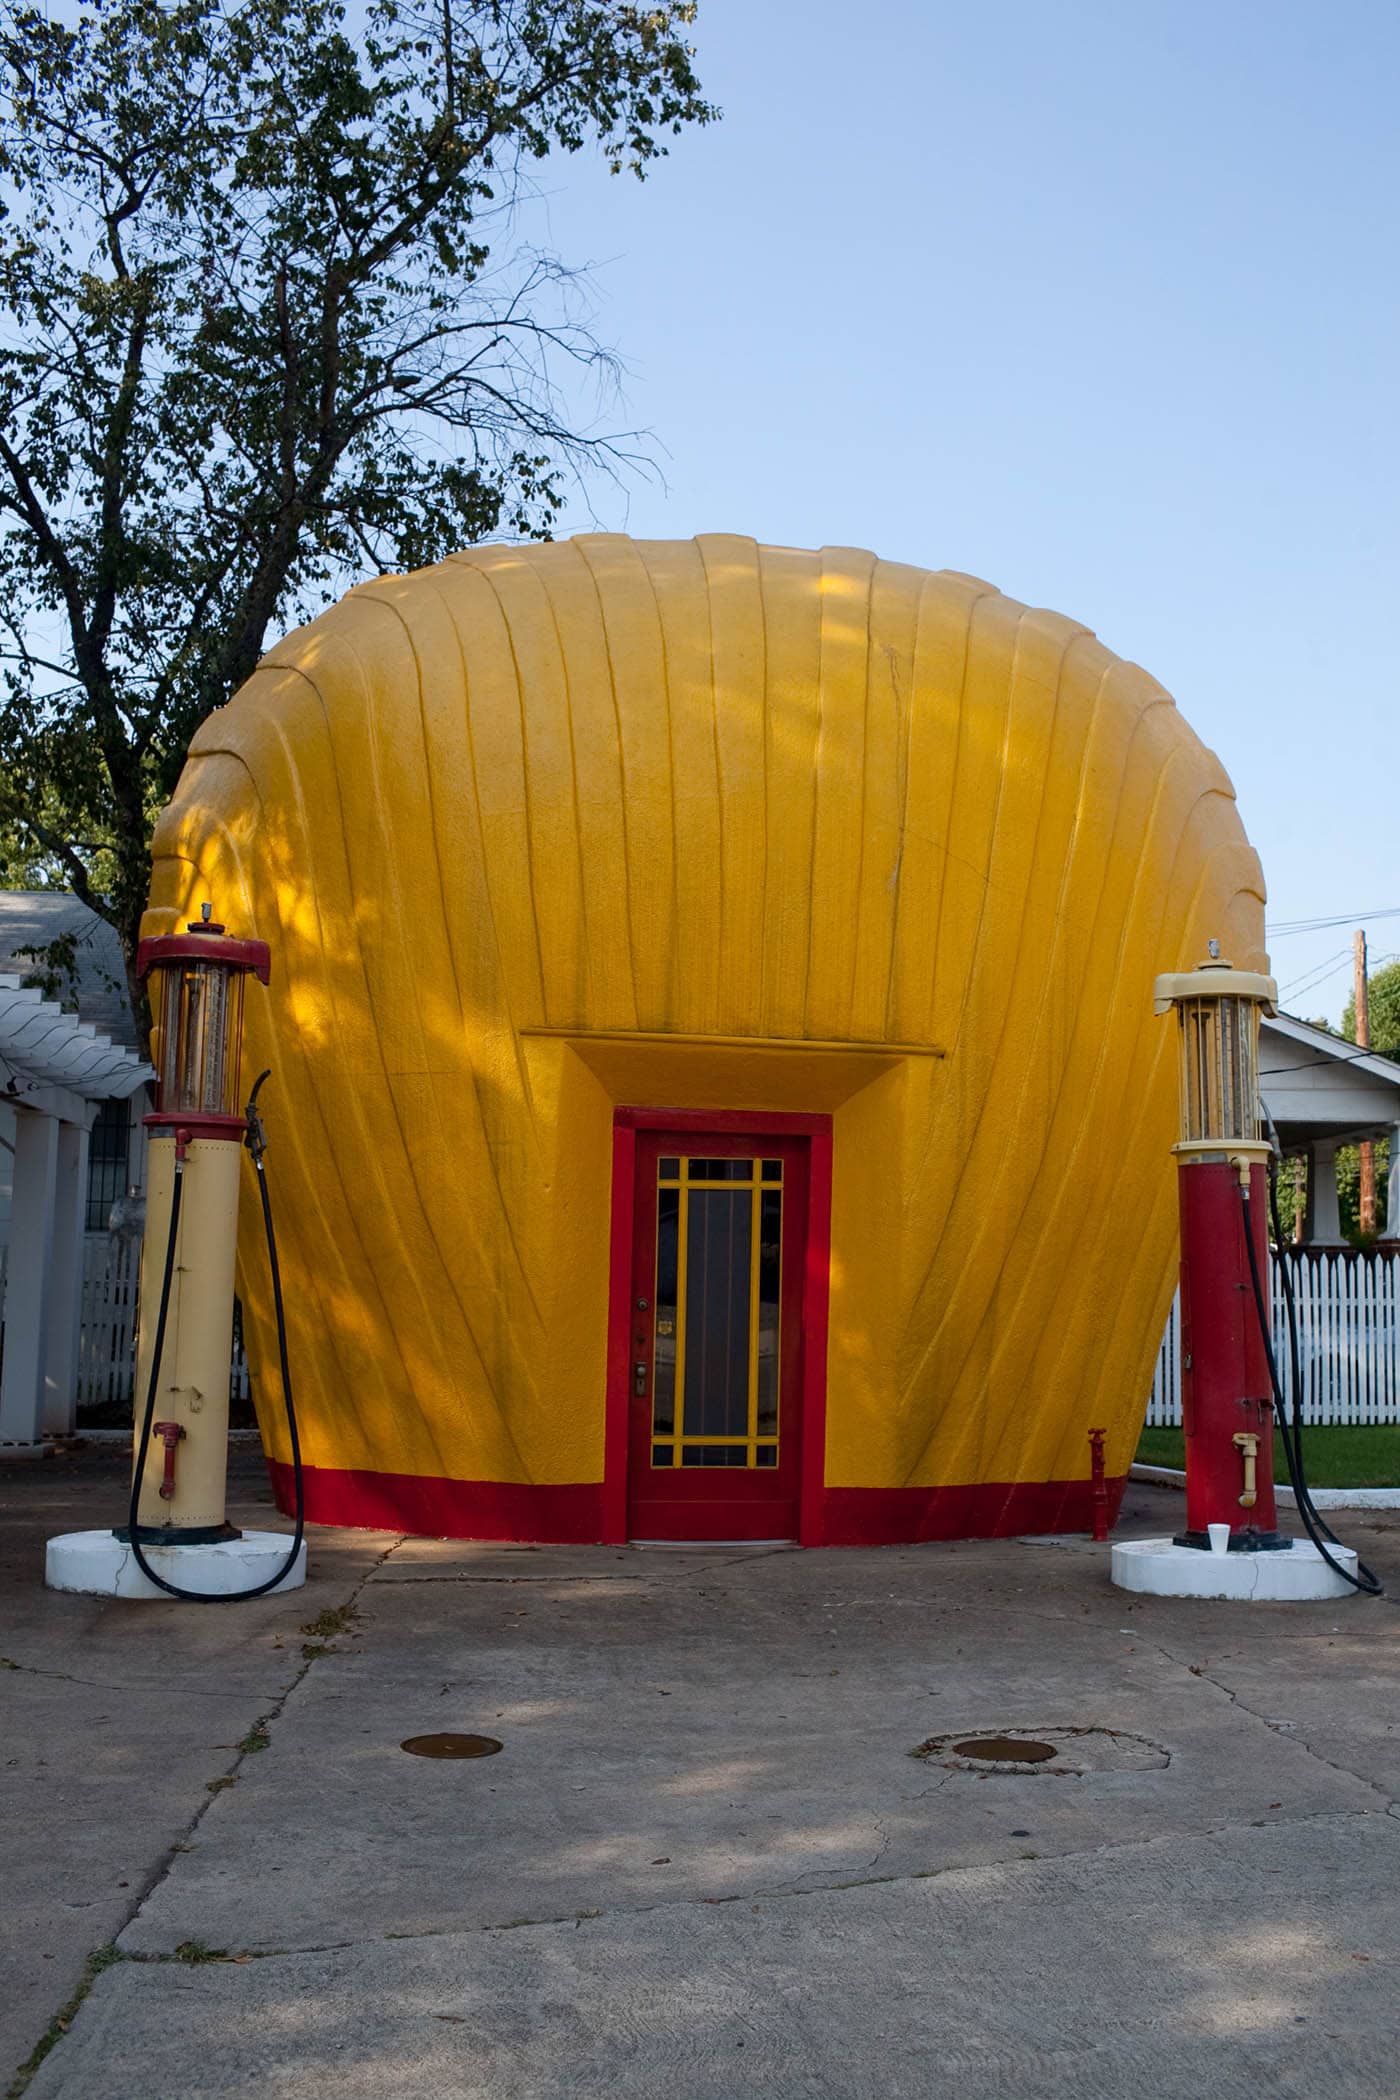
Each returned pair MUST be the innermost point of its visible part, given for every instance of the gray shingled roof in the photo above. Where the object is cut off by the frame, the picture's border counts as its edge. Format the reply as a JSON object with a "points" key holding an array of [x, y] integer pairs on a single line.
{"points": [[33, 918]]}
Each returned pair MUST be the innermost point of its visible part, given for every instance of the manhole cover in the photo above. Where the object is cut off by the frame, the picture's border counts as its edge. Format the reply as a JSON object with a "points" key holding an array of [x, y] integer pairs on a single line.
{"points": [[1072, 1753], [449, 1745], [1006, 1749]]}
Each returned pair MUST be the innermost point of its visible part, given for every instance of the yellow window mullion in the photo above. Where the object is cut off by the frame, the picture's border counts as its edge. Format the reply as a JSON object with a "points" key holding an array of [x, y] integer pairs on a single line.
{"points": [[682, 1264], [754, 1203]]}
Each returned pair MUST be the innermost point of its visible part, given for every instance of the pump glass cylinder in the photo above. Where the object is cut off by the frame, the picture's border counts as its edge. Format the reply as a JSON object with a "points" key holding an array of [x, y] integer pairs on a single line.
{"points": [[1219, 1070], [200, 1009]]}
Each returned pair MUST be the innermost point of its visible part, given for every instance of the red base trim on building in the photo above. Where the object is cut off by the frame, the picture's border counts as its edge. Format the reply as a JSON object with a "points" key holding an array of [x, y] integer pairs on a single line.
{"points": [[573, 1515], [430, 1507], [990, 1510]]}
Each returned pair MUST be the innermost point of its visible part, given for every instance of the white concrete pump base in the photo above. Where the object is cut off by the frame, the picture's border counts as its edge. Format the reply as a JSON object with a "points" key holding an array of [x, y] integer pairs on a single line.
{"points": [[1168, 1570], [97, 1565]]}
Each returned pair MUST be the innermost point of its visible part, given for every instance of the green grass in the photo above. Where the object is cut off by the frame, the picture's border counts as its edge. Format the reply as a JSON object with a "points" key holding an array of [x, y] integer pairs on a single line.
{"points": [[1360, 1457]]}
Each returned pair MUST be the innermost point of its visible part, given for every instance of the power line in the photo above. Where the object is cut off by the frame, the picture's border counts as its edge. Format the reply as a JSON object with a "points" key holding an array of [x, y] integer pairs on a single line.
{"points": [[1320, 977], [1299, 987], [1314, 969], [1285, 927], [1308, 1064]]}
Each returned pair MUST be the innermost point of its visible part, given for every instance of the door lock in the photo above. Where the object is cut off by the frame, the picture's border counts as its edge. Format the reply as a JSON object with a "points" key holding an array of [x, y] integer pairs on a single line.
{"points": [[639, 1380]]}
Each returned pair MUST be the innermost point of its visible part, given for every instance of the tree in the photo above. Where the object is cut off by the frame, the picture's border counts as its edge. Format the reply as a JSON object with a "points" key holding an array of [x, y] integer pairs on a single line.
{"points": [[1383, 1009], [1349, 1192], [267, 324]]}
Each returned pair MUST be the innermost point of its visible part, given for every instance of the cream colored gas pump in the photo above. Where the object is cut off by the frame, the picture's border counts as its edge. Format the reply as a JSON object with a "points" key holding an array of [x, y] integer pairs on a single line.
{"points": [[196, 1134], [177, 1540]]}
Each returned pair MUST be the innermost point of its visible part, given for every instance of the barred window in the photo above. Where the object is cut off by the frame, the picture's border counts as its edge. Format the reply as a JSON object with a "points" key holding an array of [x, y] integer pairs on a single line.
{"points": [[109, 1146]]}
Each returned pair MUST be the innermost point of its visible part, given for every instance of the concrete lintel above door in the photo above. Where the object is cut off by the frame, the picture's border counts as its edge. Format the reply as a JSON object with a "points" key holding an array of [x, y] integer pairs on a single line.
{"points": [[735, 1072]]}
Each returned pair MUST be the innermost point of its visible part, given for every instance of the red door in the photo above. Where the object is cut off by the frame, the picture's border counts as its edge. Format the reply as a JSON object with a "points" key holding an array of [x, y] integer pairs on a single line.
{"points": [[715, 1336]]}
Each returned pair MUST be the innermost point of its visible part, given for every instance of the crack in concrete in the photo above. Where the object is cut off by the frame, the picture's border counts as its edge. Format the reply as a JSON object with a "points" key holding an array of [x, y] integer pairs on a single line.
{"points": [[261, 1723], [101, 1958], [794, 1886], [158, 1688], [782, 1892], [409, 1582], [814, 1881], [1276, 1727], [650, 1578], [111, 1955]]}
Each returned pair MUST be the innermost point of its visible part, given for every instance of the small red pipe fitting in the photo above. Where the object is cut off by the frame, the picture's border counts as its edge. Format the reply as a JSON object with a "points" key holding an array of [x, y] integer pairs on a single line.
{"points": [[1098, 1490], [170, 1434]]}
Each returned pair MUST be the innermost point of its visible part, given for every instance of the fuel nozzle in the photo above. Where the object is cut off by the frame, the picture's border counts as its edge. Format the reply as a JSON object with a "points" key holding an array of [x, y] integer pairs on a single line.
{"points": [[256, 1137]]}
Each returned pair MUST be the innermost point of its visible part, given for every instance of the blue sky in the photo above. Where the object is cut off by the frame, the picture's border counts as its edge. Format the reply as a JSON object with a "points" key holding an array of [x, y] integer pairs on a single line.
{"points": [[1099, 302]]}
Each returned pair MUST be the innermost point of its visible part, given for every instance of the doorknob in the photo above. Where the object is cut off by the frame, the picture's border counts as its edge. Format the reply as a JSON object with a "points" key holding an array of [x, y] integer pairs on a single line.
{"points": [[639, 1380]]}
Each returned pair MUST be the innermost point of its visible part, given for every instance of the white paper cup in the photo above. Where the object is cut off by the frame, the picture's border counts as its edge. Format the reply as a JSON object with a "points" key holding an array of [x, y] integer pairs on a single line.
{"points": [[1219, 1537]]}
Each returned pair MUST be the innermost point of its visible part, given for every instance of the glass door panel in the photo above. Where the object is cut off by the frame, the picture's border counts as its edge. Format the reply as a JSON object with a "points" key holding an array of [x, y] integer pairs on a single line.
{"points": [[719, 1228], [715, 1359]]}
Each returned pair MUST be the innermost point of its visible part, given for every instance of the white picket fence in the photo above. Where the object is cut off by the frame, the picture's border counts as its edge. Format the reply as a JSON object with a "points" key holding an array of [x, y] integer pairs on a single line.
{"points": [[107, 1340], [107, 1337], [1348, 1309]]}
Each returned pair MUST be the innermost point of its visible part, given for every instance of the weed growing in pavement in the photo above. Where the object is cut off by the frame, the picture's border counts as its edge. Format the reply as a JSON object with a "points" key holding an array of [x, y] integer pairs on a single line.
{"points": [[336, 1620], [62, 2019]]}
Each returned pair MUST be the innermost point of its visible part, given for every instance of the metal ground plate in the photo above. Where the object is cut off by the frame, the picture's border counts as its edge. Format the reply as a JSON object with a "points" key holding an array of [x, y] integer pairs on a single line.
{"points": [[1078, 1752]]}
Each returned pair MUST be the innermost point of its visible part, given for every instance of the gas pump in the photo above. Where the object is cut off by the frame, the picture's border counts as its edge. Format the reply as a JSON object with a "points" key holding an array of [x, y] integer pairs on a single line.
{"points": [[177, 1539], [1231, 1398], [1226, 1398]]}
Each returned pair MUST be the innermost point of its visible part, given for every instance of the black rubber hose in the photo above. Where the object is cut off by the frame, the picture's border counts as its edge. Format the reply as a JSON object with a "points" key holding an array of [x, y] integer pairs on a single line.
{"points": [[1290, 1432], [1363, 1580], [1295, 1357], [255, 1143]]}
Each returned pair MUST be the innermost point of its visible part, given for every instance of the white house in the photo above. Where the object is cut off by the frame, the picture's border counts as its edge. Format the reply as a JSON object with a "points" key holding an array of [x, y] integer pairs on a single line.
{"points": [[1322, 1092], [72, 1090]]}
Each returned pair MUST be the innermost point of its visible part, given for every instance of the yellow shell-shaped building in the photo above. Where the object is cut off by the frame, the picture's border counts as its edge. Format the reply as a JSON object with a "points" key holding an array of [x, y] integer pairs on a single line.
{"points": [[716, 1088]]}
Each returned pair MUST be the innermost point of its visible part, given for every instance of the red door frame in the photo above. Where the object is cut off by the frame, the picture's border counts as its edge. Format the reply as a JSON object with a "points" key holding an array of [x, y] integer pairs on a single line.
{"points": [[815, 1295], [704, 1503]]}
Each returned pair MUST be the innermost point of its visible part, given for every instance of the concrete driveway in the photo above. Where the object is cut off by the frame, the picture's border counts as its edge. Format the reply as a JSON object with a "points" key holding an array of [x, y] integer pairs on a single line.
{"points": [[706, 1859]]}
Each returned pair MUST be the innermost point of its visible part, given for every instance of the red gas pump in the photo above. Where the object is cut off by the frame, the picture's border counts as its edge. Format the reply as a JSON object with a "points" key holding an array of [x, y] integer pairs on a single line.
{"points": [[1229, 1381], [1227, 1403]]}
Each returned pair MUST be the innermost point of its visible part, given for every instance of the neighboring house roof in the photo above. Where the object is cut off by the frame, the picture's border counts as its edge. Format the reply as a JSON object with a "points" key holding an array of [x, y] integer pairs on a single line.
{"points": [[1319, 1086], [32, 919], [47, 1054]]}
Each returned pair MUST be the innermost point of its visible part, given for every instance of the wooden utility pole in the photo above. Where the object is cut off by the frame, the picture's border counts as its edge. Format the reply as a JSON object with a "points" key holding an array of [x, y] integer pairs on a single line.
{"points": [[1366, 1206]]}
